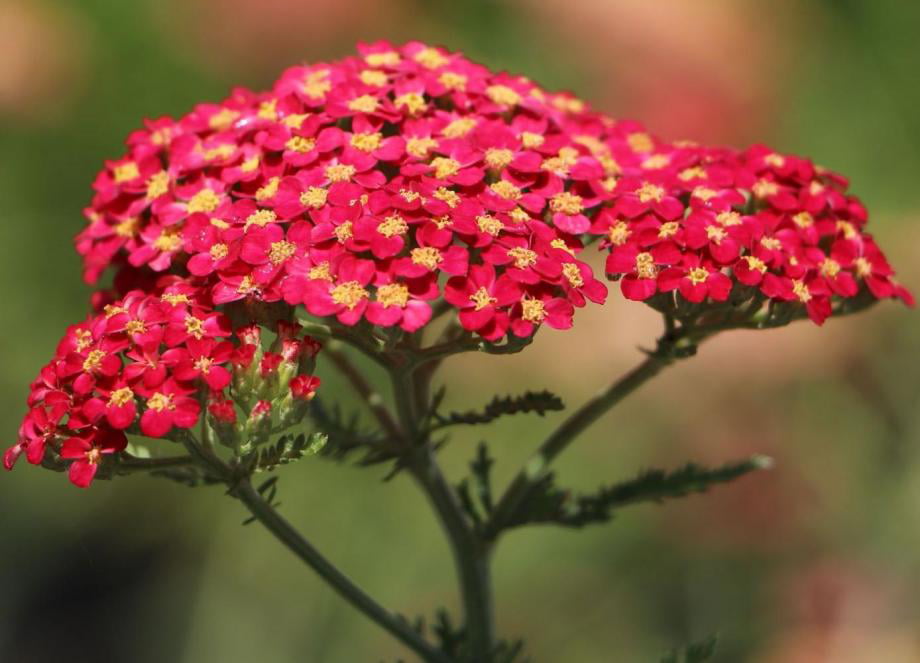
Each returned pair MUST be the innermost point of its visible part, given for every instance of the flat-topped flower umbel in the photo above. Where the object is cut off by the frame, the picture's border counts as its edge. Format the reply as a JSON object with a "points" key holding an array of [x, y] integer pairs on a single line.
{"points": [[366, 198]]}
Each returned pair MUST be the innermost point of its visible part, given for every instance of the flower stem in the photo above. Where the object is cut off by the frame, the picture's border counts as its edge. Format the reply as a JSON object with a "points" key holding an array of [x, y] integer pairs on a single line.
{"points": [[472, 555], [294, 541], [513, 502]]}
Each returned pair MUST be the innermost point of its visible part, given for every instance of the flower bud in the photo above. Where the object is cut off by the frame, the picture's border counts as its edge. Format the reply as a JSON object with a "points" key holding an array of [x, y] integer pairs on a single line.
{"points": [[222, 419]]}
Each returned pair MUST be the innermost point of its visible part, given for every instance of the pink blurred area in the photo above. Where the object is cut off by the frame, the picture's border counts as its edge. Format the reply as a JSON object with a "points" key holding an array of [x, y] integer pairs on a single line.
{"points": [[705, 71], [43, 51]]}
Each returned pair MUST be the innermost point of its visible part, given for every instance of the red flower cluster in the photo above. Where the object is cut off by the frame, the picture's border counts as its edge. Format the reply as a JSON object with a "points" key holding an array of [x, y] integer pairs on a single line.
{"points": [[144, 365], [352, 187], [368, 188]]}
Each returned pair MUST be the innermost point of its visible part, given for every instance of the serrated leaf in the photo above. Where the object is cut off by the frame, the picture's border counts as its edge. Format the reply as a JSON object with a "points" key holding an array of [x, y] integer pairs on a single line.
{"points": [[536, 402]]}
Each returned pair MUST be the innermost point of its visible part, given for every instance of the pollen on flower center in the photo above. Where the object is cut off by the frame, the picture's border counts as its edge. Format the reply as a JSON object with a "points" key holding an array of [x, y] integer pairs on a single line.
{"points": [[194, 326], [84, 339], [694, 173], [481, 299], [566, 203], [203, 201], [830, 268], [771, 243], [559, 243], [373, 77], [126, 172], [260, 218], [300, 144], [414, 102], [93, 456], [668, 229], [729, 218], [168, 240], [250, 164], [121, 397], [863, 267], [367, 142], [803, 220], [533, 310], [704, 193], [445, 195], [420, 147], [393, 226], [393, 294], [268, 190], [157, 185], [489, 224], [502, 94], [160, 401], [715, 234], [645, 266], [314, 197], [341, 172], [497, 158], [129, 227], [618, 233], [136, 327], [281, 251], [430, 58], [445, 167], [343, 232], [459, 127], [203, 364], [523, 257], [426, 256], [219, 251], [765, 188], [531, 140], [452, 80], [505, 189], [573, 275], [93, 360], [755, 263], [698, 275], [321, 272], [649, 192], [363, 104], [640, 142], [348, 294], [801, 291]]}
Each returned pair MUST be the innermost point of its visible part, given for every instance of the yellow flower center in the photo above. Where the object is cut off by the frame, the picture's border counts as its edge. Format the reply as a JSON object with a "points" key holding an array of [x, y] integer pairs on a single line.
{"points": [[121, 397], [219, 251], [314, 197], [260, 218], [125, 172], [203, 201], [452, 80], [566, 203], [755, 263], [93, 360], [765, 188], [223, 119], [640, 142], [801, 291], [803, 220], [771, 243], [649, 192], [367, 142], [560, 244], [459, 127], [572, 274], [523, 258], [774, 160], [656, 161], [505, 189], [430, 58], [363, 104], [194, 326], [533, 310], [668, 229], [413, 102], [863, 267], [281, 251], [531, 140], [341, 172], [84, 339], [268, 190], [373, 77], [349, 294], [157, 185], [481, 299], [343, 232], [300, 144], [694, 173], [160, 401], [830, 268], [136, 327], [618, 233], [698, 275], [393, 294], [728, 218], [168, 240], [445, 167], [426, 256], [704, 193], [715, 234], [203, 364], [129, 227], [645, 266], [250, 164], [383, 59], [420, 147], [393, 226], [497, 158], [489, 224], [321, 272], [502, 94], [174, 299]]}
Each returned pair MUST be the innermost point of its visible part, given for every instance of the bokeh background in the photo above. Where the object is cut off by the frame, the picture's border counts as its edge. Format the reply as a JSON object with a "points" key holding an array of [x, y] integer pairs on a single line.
{"points": [[816, 561]]}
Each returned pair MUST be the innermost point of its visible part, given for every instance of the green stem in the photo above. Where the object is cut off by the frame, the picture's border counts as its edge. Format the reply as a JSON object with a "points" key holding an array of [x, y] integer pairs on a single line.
{"points": [[470, 552], [296, 543]]}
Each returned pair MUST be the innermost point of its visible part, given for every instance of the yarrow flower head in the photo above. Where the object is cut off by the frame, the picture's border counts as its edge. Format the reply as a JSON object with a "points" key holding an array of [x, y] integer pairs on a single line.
{"points": [[392, 185]]}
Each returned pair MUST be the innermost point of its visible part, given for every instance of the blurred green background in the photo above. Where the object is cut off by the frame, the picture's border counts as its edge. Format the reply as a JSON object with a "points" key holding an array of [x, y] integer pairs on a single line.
{"points": [[816, 561]]}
